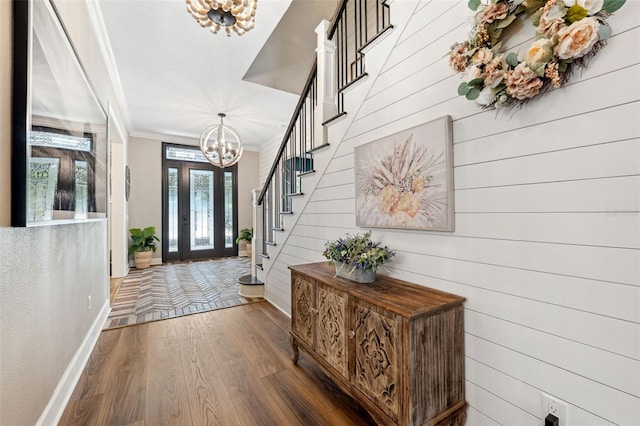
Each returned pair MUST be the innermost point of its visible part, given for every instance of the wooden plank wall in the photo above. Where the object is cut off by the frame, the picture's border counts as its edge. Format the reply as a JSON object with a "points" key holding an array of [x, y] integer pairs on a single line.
{"points": [[547, 213]]}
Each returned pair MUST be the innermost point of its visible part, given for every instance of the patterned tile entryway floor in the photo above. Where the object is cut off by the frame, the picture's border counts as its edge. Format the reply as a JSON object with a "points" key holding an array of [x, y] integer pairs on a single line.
{"points": [[173, 290]]}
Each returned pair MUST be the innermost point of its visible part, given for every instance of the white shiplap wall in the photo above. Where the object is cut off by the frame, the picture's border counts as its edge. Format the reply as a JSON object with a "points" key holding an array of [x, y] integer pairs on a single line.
{"points": [[547, 242], [267, 157]]}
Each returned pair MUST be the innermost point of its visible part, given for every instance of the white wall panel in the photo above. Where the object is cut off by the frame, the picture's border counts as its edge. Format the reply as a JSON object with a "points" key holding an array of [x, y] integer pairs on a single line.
{"points": [[518, 142], [596, 161], [585, 393], [617, 371], [476, 418], [546, 248], [619, 198], [497, 408]]}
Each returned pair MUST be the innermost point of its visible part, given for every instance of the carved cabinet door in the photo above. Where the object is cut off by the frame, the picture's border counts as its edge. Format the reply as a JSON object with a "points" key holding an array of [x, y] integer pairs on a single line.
{"points": [[331, 336], [377, 350], [302, 309]]}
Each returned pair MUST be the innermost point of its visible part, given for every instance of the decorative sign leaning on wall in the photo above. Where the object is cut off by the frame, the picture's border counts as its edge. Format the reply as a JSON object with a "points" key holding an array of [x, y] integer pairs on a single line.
{"points": [[406, 180], [568, 34]]}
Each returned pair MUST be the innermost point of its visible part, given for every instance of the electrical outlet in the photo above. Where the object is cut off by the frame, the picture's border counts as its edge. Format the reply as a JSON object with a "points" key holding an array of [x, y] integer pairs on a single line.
{"points": [[89, 302], [557, 407]]}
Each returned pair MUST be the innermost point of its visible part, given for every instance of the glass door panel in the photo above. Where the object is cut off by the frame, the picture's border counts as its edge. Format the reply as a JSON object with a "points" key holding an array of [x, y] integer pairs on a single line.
{"points": [[228, 210], [201, 209], [172, 209], [81, 183], [200, 218], [43, 180]]}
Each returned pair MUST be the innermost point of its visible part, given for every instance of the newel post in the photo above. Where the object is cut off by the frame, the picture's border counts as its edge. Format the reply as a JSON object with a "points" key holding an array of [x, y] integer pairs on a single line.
{"points": [[257, 229], [327, 91]]}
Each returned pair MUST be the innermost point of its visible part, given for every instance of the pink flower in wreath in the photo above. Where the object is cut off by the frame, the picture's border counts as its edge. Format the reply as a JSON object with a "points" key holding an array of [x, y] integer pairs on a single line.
{"points": [[494, 12], [522, 82], [457, 58], [550, 22]]}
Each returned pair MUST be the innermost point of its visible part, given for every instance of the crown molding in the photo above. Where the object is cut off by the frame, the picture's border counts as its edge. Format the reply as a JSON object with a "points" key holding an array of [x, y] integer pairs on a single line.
{"points": [[185, 140], [97, 20]]}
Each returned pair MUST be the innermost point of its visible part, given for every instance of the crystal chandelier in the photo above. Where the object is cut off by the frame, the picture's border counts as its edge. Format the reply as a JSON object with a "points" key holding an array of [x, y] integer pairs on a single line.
{"points": [[221, 144], [236, 15]]}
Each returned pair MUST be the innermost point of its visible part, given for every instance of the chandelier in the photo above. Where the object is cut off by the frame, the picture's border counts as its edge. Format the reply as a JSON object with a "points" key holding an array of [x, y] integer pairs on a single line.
{"points": [[236, 15], [221, 144]]}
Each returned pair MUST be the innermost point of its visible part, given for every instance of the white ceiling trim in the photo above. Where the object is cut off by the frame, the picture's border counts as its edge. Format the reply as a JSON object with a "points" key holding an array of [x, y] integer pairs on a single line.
{"points": [[97, 20], [182, 139], [114, 124]]}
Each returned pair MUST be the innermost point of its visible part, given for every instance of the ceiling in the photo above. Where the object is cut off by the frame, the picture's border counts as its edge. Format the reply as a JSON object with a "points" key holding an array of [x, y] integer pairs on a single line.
{"points": [[176, 76]]}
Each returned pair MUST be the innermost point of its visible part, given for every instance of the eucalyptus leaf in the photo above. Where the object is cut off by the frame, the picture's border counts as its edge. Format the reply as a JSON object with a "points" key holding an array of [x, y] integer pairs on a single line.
{"points": [[473, 94], [535, 18], [497, 82], [495, 35], [611, 6], [576, 13], [533, 5], [517, 2], [476, 81], [604, 32], [512, 59], [473, 4], [463, 89], [538, 68], [506, 21]]}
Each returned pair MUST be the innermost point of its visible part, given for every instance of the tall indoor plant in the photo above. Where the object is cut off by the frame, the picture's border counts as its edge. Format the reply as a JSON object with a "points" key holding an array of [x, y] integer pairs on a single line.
{"points": [[143, 245]]}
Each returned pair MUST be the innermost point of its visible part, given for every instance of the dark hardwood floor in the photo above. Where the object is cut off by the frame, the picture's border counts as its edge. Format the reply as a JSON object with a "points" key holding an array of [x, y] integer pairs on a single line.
{"points": [[226, 367]]}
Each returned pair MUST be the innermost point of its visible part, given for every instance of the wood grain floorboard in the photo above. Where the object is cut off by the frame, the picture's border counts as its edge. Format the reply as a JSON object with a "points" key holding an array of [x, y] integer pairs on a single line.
{"points": [[207, 395], [226, 367], [166, 387]]}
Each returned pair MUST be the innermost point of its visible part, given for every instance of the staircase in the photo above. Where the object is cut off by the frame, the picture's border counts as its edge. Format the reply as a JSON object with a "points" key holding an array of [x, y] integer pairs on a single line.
{"points": [[335, 83]]}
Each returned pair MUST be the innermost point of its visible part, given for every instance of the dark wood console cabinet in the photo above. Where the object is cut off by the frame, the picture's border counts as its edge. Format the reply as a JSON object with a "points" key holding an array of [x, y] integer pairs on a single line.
{"points": [[395, 347]]}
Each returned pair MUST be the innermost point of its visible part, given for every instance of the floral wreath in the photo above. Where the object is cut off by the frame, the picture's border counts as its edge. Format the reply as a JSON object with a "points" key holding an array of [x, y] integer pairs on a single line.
{"points": [[568, 34]]}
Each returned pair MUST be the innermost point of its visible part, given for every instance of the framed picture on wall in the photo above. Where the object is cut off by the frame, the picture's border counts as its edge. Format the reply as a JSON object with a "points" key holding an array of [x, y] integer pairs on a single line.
{"points": [[406, 180]]}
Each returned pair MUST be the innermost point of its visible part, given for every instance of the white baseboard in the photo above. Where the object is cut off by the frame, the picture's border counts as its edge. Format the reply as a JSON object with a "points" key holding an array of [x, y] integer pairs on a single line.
{"points": [[60, 397], [277, 307]]}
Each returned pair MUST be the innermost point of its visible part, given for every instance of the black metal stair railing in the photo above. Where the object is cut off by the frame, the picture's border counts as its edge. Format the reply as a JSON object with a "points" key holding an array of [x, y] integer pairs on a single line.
{"points": [[294, 159], [356, 24]]}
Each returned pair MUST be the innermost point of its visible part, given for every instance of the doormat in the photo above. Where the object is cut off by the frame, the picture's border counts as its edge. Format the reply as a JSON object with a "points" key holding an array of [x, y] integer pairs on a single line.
{"points": [[178, 289]]}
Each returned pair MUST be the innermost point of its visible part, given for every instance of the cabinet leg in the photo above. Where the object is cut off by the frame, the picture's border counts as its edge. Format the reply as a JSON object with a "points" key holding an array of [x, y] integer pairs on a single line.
{"points": [[294, 348]]}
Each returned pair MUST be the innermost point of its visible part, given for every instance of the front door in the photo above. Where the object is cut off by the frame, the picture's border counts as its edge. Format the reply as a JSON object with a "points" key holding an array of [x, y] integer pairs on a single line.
{"points": [[199, 206]]}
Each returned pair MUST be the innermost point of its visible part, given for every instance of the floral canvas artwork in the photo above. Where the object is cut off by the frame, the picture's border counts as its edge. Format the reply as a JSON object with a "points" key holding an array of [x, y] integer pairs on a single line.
{"points": [[406, 180]]}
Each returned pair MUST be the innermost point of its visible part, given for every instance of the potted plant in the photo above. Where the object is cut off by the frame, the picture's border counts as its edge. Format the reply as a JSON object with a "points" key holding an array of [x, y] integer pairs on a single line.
{"points": [[356, 257], [246, 234], [143, 245]]}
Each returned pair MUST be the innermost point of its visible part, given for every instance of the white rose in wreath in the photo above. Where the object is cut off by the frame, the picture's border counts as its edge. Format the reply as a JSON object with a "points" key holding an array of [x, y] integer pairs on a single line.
{"points": [[591, 6], [540, 51], [471, 73], [577, 39], [482, 56], [487, 96]]}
